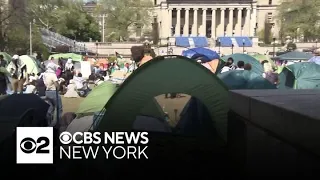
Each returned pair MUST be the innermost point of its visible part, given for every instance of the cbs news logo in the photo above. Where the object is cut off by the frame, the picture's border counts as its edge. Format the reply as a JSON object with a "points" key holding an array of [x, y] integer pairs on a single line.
{"points": [[34, 145]]}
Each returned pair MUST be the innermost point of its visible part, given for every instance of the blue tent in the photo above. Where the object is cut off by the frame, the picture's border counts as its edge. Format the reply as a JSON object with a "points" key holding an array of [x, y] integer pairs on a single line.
{"points": [[204, 54]]}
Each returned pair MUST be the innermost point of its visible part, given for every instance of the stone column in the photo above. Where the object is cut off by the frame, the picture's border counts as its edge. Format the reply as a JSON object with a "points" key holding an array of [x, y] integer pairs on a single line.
{"points": [[246, 29], [222, 21], [186, 22], [204, 22], [178, 24], [253, 21], [230, 24], [213, 25], [239, 22], [195, 22], [170, 22]]}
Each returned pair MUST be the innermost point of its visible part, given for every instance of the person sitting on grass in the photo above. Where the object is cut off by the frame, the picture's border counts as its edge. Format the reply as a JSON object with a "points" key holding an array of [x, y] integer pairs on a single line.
{"points": [[31, 87], [81, 85]]}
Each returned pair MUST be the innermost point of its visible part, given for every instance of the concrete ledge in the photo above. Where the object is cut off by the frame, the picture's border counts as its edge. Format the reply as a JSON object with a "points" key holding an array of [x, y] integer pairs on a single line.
{"points": [[293, 115]]}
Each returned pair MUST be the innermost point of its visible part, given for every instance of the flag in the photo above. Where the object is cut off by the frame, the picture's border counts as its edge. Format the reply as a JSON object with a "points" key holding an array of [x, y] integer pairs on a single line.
{"points": [[118, 55]]}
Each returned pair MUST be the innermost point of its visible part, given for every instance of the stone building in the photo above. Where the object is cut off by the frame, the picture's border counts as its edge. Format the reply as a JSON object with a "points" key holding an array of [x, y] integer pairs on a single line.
{"points": [[223, 20]]}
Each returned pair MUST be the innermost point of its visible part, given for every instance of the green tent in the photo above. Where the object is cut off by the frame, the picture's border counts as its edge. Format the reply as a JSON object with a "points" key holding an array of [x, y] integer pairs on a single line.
{"points": [[262, 57], [6, 56], [166, 74], [242, 79], [256, 65], [101, 94], [294, 55], [96, 99], [73, 56], [300, 76], [32, 66]]}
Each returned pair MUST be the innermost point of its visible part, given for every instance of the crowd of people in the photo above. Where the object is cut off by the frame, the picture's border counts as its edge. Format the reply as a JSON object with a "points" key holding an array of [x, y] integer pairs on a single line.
{"points": [[268, 73]]}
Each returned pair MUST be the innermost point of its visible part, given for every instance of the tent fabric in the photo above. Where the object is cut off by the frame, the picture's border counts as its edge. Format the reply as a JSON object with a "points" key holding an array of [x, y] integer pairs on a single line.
{"points": [[14, 107], [267, 66], [162, 75], [294, 55], [256, 65], [145, 59], [204, 54], [300, 76], [31, 63], [97, 98], [315, 59], [195, 119], [242, 79], [146, 123], [6, 56], [73, 56]]}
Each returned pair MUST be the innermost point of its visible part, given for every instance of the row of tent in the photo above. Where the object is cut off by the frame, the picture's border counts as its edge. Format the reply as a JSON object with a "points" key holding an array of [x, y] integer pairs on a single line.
{"points": [[31, 63]]}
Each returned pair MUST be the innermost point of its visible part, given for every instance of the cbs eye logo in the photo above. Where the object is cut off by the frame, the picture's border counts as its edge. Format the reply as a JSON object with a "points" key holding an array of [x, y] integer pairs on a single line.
{"points": [[29, 145]]}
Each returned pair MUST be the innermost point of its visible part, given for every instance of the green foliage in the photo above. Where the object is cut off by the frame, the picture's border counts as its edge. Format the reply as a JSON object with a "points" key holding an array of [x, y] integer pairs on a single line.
{"points": [[112, 59], [262, 36], [300, 17], [66, 18], [123, 15]]}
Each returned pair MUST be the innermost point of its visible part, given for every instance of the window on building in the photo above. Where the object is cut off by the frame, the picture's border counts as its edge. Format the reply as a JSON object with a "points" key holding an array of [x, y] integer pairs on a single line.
{"points": [[181, 29], [270, 2], [155, 2], [138, 31], [190, 29], [269, 17]]}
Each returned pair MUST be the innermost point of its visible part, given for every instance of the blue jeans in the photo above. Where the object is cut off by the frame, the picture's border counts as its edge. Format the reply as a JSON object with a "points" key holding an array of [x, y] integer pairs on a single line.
{"points": [[56, 100]]}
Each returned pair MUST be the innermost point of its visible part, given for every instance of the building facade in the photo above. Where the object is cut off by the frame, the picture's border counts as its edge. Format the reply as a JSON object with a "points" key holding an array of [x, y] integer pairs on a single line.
{"points": [[211, 18], [214, 18]]}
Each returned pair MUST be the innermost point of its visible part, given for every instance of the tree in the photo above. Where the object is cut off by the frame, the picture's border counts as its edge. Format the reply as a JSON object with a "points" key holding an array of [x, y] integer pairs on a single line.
{"points": [[66, 18], [300, 18], [122, 15]]}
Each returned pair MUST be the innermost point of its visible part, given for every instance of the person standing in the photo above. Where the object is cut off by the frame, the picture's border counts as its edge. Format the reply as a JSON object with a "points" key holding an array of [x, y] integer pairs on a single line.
{"points": [[18, 71], [3, 77], [3, 63], [52, 88]]}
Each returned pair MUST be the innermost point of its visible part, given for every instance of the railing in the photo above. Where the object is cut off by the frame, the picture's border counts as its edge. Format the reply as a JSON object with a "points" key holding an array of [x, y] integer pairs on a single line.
{"points": [[53, 39]]}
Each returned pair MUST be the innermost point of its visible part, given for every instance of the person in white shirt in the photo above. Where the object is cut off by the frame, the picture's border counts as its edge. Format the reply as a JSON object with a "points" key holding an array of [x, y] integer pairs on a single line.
{"points": [[240, 65], [31, 88], [226, 67], [79, 81]]}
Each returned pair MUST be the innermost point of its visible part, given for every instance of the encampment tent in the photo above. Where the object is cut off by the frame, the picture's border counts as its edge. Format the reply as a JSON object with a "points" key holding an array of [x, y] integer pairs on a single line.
{"points": [[256, 65], [267, 66], [245, 80], [73, 56], [32, 66], [166, 75], [204, 54], [294, 55], [300, 76]]}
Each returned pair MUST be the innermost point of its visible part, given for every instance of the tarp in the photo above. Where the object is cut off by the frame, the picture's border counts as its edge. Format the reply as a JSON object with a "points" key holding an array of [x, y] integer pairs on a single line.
{"points": [[294, 55], [256, 65], [171, 74], [300, 76], [73, 56], [6, 56], [315, 59], [242, 79], [31, 63], [204, 54]]}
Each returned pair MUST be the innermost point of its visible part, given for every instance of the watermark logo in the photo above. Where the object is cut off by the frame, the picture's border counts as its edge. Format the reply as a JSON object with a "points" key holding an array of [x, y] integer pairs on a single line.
{"points": [[34, 145]]}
